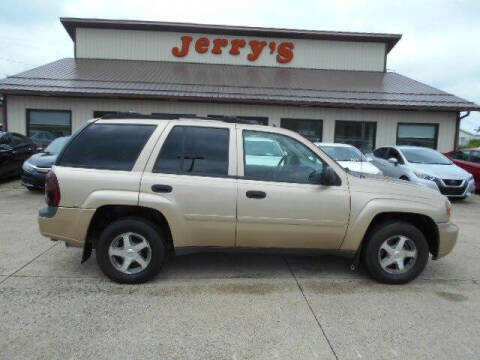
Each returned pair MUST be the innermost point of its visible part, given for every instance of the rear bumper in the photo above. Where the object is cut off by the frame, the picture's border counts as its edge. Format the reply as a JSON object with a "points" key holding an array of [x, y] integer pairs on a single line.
{"points": [[448, 234], [65, 224]]}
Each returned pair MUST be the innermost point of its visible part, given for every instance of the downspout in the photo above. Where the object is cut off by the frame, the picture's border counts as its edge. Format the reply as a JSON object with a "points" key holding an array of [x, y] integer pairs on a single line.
{"points": [[5, 122], [457, 130]]}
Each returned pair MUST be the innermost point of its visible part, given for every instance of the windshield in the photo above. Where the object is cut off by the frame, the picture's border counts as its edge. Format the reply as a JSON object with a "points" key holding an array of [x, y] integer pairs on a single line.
{"points": [[56, 146], [425, 156], [344, 153]]}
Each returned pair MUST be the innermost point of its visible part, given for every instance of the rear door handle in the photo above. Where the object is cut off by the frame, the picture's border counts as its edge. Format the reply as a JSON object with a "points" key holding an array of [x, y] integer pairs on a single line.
{"points": [[161, 188], [252, 194]]}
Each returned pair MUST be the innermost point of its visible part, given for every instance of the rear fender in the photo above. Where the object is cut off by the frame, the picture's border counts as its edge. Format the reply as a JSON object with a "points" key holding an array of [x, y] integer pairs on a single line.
{"points": [[100, 198]]}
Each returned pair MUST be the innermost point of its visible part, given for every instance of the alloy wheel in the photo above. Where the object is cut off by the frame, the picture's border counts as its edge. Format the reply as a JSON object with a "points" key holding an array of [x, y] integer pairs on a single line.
{"points": [[397, 254], [130, 253]]}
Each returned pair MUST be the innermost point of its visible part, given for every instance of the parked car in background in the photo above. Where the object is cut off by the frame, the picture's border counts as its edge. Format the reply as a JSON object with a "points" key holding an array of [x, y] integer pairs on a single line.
{"points": [[37, 166], [263, 152], [349, 157], [468, 159], [177, 186], [425, 166], [14, 149], [42, 138]]}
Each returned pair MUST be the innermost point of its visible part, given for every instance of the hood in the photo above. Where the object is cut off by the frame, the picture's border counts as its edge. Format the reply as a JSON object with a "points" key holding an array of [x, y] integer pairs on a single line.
{"points": [[391, 187], [360, 166], [42, 160], [441, 171], [394, 195]]}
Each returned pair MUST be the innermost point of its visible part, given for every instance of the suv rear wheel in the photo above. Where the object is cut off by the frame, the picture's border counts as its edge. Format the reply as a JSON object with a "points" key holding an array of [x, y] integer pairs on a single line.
{"points": [[130, 250], [396, 252]]}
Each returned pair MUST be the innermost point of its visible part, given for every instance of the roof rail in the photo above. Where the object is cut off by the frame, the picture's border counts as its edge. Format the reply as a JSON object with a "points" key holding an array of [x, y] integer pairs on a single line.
{"points": [[129, 115]]}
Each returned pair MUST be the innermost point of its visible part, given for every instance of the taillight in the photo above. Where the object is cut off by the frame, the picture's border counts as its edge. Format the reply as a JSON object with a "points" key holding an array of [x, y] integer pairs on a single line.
{"points": [[52, 190]]}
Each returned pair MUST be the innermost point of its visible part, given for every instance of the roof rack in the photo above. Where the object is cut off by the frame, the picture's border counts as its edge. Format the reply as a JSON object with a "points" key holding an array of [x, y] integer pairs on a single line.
{"points": [[129, 115]]}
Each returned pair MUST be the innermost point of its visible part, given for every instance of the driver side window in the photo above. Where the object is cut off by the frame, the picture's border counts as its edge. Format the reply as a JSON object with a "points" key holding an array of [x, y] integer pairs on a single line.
{"points": [[394, 154], [275, 157]]}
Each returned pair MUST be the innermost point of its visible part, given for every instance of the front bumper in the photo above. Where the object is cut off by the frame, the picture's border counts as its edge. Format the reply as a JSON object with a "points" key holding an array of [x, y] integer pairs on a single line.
{"points": [[66, 224], [448, 234], [467, 188], [33, 180]]}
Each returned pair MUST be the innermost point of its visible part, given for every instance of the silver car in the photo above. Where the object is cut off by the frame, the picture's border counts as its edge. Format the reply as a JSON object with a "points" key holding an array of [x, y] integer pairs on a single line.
{"points": [[424, 166]]}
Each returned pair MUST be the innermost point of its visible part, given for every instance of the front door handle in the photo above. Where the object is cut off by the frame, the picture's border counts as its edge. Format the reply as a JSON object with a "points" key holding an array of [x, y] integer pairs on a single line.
{"points": [[252, 194], [161, 188]]}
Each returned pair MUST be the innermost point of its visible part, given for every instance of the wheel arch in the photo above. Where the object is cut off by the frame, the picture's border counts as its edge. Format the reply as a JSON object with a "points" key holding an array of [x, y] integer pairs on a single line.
{"points": [[106, 214], [424, 223]]}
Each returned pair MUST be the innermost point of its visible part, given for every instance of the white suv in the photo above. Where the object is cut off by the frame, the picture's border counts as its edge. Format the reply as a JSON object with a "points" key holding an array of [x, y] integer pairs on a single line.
{"points": [[138, 189]]}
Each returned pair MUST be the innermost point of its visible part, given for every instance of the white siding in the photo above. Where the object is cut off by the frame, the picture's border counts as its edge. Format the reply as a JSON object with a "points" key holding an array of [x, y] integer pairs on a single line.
{"points": [[387, 120], [157, 46]]}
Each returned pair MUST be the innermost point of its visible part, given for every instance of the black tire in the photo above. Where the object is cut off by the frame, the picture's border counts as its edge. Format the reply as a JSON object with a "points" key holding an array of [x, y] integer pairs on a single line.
{"points": [[140, 226], [384, 231], [403, 177]]}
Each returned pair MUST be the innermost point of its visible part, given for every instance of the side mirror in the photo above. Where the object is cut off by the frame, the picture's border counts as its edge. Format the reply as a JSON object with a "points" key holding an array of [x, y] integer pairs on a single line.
{"points": [[393, 161], [327, 177]]}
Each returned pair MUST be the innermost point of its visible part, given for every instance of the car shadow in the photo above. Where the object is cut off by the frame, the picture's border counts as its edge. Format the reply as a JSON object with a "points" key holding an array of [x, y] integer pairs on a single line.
{"points": [[252, 265]]}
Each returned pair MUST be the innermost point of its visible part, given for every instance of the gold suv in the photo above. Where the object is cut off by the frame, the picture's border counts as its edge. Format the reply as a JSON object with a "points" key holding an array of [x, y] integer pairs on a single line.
{"points": [[137, 190]]}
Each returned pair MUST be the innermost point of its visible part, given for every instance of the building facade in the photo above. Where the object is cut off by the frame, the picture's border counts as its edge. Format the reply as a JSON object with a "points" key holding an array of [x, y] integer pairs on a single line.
{"points": [[328, 86]]}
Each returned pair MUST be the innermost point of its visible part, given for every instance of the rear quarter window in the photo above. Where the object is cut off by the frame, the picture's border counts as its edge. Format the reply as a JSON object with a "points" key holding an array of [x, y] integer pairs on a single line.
{"points": [[106, 146]]}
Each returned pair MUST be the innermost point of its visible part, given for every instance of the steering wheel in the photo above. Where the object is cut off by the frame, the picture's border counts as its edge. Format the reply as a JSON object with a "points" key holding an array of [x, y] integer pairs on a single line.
{"points": [[282, 161]]}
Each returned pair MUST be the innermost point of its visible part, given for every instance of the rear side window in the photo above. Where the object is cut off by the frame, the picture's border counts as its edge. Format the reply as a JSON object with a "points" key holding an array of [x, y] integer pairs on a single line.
{"points": [[194, 150], [107, 146], [18, 140]]}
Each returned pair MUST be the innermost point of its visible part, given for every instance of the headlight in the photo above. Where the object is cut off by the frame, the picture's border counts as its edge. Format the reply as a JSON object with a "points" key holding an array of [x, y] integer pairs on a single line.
{"points": [[448, 208], [27, 166], [424, 176]]}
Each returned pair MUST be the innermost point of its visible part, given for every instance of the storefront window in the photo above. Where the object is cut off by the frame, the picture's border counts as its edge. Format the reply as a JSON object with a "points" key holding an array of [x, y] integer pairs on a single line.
{"points": [[311, 129], [44, 126], [360, 134], [417, 135]]}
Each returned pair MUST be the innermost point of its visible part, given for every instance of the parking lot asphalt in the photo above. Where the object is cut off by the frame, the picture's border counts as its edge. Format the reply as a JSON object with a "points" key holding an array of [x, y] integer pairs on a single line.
{"points": [[219, 306]]}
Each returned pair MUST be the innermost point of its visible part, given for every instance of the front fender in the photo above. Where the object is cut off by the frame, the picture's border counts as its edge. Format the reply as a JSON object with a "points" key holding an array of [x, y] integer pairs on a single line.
{"points": [[361, 219]]}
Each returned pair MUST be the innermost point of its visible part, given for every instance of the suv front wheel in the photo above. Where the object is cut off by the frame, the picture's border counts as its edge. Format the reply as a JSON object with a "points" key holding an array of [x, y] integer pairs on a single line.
{"points": [[130, 250], [396, 252]]}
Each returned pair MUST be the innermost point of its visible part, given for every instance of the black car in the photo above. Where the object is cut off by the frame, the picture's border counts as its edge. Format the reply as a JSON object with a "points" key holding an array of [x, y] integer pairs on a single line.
{"points": [[37, 166], [14, 149]]}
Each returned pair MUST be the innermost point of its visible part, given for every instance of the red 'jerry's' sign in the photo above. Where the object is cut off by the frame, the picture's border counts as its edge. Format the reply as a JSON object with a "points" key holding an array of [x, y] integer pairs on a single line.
{"points": [[202, 45]]}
